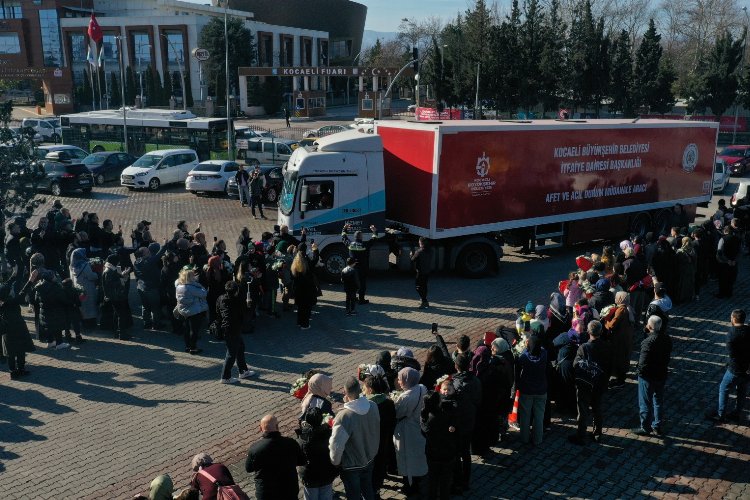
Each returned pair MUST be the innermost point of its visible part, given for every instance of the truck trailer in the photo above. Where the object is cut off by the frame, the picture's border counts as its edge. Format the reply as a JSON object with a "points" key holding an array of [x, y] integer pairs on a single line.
{"points": [[468, 186]]}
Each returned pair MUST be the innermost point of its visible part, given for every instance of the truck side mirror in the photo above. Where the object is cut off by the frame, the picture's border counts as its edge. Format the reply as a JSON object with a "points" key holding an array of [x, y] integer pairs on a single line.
{"points": [[304, 193]]}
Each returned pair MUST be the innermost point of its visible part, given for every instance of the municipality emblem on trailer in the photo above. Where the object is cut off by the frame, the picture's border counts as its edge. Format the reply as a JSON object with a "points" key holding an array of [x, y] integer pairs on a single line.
{"points": [[690, 158], [483, 165]]}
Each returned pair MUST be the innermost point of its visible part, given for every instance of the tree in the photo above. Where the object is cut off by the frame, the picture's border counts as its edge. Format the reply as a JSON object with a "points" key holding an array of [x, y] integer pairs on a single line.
{"points": [[18, 170], [552, 65], [188, 91], [167, 90], [241, 53], [647, 62], [530, 44], [621, 85], [663, 99], [584, 49], [722, 76], [115, 91], [130, 87]]}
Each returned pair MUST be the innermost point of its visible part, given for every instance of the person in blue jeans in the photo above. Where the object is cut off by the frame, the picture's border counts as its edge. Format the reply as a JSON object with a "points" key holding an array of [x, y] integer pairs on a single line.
{"points": [[653, 367], [531, 382], [738, 370], [230, 311]]}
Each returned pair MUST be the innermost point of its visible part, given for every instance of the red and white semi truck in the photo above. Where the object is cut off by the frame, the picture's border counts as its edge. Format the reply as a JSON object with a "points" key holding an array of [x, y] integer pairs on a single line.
{"points": [[467, 185]]}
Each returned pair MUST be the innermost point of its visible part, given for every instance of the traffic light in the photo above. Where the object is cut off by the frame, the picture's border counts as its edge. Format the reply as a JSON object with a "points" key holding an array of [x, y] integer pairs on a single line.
{"points": [[415, 56]]}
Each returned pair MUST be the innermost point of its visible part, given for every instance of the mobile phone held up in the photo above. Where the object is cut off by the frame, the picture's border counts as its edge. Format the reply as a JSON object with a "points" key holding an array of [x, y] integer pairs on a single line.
{"points": [[434, 328]]}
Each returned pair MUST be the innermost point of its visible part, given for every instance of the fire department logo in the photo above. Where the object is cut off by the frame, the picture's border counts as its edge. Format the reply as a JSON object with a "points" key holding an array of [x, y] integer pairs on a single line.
{"points": [[690, 158], [483, 165]]}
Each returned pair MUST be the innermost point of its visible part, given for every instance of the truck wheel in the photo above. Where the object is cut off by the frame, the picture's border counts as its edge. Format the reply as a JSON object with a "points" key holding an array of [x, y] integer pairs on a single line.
{"points": [[334, 261], [475, 260], [662, 222], [641, 224]]}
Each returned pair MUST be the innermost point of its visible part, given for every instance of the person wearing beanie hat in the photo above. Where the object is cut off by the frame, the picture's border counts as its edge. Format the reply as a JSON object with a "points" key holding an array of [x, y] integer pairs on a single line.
{"points": [[116, 296], [147, 269], [497, 395], [50, 298]]}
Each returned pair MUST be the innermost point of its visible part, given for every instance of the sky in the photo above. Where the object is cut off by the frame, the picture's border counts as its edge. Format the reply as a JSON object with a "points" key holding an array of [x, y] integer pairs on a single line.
{"points": [[386, 15]]}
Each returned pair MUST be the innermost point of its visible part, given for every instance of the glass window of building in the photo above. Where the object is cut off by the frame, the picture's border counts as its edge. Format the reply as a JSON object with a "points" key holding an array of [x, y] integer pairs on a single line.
{"points": [[9, 43], [109, 45], [141, 44], [341, 48], [175, 50], [10, 9], [78, 48], [49, 26]]}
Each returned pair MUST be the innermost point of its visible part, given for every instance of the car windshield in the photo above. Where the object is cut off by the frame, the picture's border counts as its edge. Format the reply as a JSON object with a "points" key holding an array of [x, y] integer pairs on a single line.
{"points": [[207, 167], [733, 152], [94, 159], [286, 200], [147, 161]]}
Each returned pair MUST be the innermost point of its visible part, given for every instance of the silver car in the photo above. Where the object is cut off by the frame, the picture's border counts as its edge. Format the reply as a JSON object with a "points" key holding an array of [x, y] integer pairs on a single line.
{"points": [[211, 176]]}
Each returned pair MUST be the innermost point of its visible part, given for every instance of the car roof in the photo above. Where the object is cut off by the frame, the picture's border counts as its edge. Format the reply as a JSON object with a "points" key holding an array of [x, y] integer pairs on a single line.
{"points": [[58, 147], [271, 139], [216, 162], [164, 152]]}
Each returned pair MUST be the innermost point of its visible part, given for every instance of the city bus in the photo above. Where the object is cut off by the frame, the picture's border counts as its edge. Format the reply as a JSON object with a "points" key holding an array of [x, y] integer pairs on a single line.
{"points": [[148, 130]]}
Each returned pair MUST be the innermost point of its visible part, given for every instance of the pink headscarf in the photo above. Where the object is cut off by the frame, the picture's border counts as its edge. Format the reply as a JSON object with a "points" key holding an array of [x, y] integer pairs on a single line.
{"points": [[319, 385]]}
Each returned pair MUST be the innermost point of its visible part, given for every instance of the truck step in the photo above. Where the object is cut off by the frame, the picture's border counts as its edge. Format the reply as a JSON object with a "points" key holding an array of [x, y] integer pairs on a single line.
{"points": [[550, 235], [549, 245]]}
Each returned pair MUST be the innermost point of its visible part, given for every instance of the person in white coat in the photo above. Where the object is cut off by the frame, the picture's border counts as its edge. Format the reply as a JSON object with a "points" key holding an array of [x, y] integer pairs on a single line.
{"points": [[407, 437]]}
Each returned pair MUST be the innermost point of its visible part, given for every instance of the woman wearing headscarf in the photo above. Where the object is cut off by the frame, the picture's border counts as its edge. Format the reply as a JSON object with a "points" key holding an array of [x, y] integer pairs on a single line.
{"points": [[559, 318], [602, 296], [619, 323], [84, 277], [407, 436], [437, 363], [567, 345], [161, 488], [500, 383], [531, 382], [318, 473], [488, 412], [404, 358], [440, 425], [199, 250], [319, 389], [376, 390], [687, 267], [663, 263]]}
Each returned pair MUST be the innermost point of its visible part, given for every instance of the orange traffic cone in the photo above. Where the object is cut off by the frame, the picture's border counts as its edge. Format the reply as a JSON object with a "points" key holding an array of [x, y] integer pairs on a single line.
{"points": [[513, 416]]}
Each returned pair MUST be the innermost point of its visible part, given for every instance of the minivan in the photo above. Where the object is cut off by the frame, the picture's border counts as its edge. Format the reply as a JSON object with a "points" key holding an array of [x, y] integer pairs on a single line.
{"points": [[156, 168], [46, 128], [265, 150]]}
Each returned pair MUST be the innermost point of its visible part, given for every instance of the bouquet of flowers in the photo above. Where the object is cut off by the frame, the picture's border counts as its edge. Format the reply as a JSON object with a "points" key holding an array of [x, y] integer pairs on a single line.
{"points": [[362, 371], [97, 265], [81, 292], [328, 419], [394, 395], [299, 387]]}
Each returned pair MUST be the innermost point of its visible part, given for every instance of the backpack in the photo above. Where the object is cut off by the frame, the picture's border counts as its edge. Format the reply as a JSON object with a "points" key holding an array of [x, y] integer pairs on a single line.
{"points": [[225, 492], [587, 371]]}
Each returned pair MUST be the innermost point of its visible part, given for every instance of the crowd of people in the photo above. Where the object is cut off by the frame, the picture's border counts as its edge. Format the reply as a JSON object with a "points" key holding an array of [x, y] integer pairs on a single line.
{"points": [[77, 276], [419, 421]]}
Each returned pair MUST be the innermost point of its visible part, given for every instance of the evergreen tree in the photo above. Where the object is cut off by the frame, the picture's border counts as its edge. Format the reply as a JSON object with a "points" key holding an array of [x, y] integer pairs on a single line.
{"points": [[621, 86], [531, 43], [664, 99], [130, 87], [581, 61], [552, 64], [272, 97], [722, 76], [600, 60], [241, 53], [254, 91], [188, 91], [477, 30], [87, 94], [647, 62], [115, 91], [167, 90]]}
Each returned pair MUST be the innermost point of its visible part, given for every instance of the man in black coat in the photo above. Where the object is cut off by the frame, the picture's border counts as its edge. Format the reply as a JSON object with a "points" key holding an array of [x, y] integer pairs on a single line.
{"points": [[589, 397], [422, 259], [439, 421], [359, 250], [116, 296], [469, 396], [653, 364], [737, 375], [230, 314], [727, 254], [147, 272], [635, 271], [274, 460]]}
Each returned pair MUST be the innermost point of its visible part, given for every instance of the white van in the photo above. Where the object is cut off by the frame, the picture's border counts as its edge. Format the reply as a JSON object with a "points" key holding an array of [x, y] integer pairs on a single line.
{"points": [[49, 129], [156, 168], [269, 150]]}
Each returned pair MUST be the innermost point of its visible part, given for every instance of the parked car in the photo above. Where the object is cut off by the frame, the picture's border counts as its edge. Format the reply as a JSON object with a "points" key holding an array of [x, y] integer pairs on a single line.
{"points": [[17, 131], [263, 150], [211, 176], [59, 178], [740, 194], [108, 165], [74, 153], [721, 176], [274, 182], [249, 133], [49, 130], [154, 169], [737, 158], [324, 131]]}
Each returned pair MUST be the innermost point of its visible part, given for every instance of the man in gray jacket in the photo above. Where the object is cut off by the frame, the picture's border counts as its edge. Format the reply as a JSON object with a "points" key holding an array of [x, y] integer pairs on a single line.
{"points": [[355, 440]]}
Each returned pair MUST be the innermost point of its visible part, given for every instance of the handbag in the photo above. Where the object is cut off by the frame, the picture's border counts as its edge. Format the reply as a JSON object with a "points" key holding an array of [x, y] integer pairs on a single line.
{"points": [[587, 371], [225, 492]]}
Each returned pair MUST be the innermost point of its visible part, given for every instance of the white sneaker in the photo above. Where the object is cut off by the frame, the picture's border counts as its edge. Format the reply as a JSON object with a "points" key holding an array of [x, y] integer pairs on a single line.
{"points": [[229, 380], [50, 345], [247, 374], [304, 327], [62, 345]]}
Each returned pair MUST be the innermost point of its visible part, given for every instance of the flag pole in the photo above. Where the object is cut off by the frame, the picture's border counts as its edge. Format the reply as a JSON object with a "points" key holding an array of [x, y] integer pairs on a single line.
{"points": [[93, 91], [99, 83]]}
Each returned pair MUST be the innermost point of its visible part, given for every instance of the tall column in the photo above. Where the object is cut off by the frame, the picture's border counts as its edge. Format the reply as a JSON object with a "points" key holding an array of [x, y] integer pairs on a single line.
{"points": [[306, 83], [243, 93]]}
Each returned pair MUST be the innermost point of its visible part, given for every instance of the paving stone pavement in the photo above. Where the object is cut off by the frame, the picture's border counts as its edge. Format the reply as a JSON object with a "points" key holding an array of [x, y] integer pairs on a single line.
{"points": [[101, 420]]}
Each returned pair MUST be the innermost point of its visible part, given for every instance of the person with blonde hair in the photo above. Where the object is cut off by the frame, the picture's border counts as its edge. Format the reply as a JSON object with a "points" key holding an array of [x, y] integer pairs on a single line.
{"points": [[305, 289], [191, 305]]}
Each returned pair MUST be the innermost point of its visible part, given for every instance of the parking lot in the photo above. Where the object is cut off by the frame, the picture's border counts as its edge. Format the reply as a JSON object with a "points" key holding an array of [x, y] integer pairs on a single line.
{"points": [[101, 420]]}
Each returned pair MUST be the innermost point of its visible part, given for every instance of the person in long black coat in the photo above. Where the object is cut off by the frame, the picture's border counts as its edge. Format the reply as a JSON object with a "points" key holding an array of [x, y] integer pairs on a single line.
{"points": [[16, 340], [318, 473], [50, 298], [305, 287], [664, 264], [376, 389], [439, 421]]}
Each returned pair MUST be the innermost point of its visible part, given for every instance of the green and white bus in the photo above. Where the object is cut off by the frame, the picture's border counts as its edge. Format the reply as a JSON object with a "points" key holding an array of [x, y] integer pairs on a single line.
{"points": [[148, 130]]}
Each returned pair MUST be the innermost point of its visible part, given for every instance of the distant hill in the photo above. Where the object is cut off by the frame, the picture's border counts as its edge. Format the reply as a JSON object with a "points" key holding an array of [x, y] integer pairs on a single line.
{"points": [[370, 37]]}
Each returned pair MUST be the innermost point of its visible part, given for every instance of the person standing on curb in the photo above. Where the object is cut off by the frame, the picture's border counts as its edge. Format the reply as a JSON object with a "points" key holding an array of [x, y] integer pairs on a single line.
{"points": [[422, 259], [359, 250], [257, 182], [242, 178], [653, 367], [274, 460], [738, 370]]}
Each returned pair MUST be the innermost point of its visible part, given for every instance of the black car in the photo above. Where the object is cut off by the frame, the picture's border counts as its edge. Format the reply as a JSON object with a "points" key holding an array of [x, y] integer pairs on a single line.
{"points": [[274, 183], [61, 178], [108, 165]]}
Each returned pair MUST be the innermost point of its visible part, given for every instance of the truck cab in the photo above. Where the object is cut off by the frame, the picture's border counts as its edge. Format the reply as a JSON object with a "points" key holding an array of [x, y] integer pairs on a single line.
{"points": [[339, 181]]}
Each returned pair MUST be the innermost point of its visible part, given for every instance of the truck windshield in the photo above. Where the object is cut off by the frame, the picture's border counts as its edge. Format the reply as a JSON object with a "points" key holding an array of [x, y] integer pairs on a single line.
{"points": [[286, 200]]}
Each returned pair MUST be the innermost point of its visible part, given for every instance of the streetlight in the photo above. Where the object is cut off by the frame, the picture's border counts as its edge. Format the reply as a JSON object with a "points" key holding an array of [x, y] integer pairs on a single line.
{"points": [[226, 78], [742, 65], [354, 62], [179, 65], [140, 71]]}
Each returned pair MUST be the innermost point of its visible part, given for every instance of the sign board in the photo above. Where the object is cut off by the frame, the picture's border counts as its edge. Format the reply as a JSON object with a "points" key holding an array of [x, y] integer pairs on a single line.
{"points": [[322, 71], [58, 73], [14, 72], [241, 144], [431, 114], [201, 54]]}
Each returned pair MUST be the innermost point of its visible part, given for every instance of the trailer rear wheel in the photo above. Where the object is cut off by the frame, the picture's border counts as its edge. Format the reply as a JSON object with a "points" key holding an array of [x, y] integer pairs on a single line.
{"points": [[475, 260], [641, 224], [334, 261]]}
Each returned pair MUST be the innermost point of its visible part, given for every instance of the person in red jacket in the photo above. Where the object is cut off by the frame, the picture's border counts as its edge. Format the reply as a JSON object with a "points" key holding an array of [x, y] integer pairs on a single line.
{"points": [[204, 462]]}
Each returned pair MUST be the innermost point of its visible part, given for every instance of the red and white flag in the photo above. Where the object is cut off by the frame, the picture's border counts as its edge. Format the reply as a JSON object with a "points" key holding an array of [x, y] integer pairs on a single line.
{"points": [[95, 38]]}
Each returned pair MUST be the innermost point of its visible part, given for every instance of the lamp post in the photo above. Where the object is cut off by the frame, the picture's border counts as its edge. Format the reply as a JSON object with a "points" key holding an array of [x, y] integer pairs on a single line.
{"points": [[742, 66], [179, 65], [140, 71], [226, 78], [122, 95]]}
